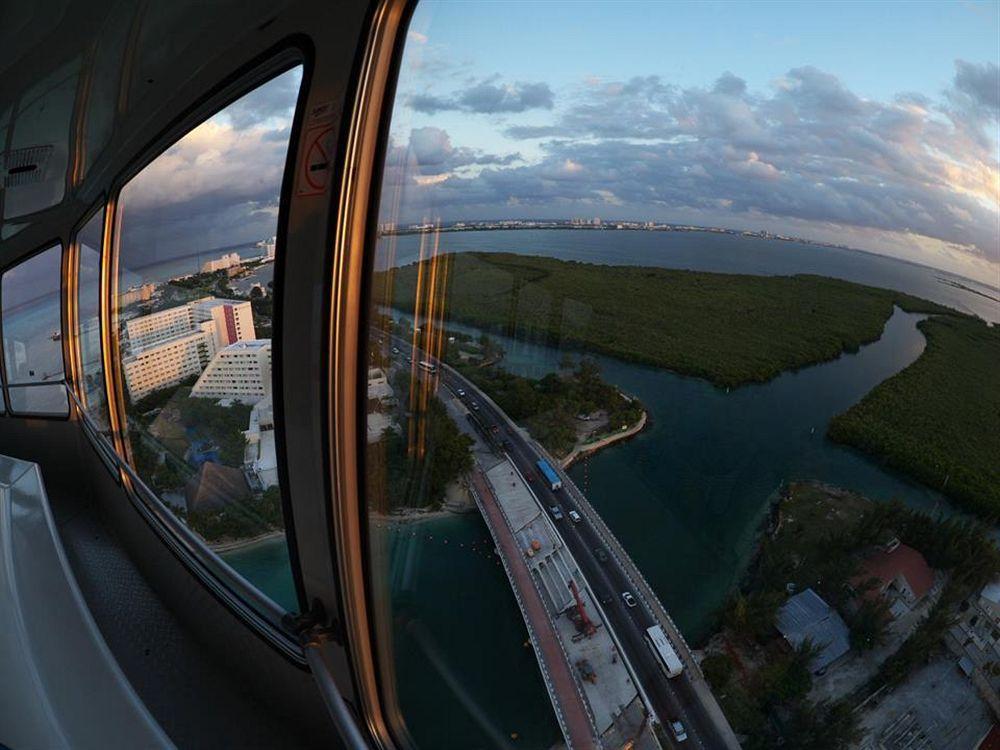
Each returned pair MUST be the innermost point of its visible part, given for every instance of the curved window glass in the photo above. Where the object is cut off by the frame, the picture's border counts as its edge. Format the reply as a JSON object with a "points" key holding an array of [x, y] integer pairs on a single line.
{"points": [[32, 335], [682, 405], [196, 254], [88, 281]]}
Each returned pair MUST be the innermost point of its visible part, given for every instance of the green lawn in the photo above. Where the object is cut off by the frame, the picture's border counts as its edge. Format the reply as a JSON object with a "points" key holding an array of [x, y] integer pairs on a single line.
{"points": [[728, 329], [939, 419]]}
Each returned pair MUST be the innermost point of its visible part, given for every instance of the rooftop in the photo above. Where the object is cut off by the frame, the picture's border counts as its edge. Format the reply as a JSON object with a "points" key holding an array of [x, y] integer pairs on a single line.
{"points": [[902, 561], [806, 616], [250, 344]]}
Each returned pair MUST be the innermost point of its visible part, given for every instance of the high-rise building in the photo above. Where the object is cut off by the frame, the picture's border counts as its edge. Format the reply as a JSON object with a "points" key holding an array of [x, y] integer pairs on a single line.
{"points": [[171, 345], [221, 264], [142, 293], [150, 330], [233, 319], [168, 362], [241, 371], [268, 246]]}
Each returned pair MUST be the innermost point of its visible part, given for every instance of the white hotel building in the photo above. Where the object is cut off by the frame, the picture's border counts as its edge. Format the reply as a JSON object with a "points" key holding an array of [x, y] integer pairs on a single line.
{"points": [[222, 263], [172, 345], [241, 371]]}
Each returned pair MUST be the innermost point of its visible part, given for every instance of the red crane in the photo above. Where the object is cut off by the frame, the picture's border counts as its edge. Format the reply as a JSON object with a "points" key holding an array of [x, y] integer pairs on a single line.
{"points": [[583, 623]]}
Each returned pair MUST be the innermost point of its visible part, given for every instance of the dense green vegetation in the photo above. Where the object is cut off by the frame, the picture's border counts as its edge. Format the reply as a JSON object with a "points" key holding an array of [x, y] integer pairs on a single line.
{"points": [[939, 419], [410, 467], [214, 284], [548, 406], [728, 329], [223, 426], [768, 706]]}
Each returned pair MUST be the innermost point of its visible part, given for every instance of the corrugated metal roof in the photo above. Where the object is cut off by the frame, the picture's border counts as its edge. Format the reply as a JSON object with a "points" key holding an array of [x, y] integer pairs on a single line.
{"points": [[806, 616]]}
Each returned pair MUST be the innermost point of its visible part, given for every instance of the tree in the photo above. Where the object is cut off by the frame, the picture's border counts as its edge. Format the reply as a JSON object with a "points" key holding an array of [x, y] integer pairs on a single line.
{"points": [[717, 668], [751, 617], [868, 624]]}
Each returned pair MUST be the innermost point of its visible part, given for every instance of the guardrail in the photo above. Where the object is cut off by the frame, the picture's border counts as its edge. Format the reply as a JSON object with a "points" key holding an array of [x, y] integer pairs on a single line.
{"points": [[532, 636], [651, 601]]}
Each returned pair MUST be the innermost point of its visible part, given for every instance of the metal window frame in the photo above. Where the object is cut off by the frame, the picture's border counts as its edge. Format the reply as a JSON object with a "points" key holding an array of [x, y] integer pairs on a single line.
{"points": [[100, 439], [265, 618], [360, 169]]}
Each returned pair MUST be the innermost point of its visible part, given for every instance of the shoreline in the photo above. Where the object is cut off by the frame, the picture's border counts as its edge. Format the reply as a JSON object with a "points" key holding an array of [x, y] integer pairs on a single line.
{"points": [[414, 515], [235, 545], [580, 451]]}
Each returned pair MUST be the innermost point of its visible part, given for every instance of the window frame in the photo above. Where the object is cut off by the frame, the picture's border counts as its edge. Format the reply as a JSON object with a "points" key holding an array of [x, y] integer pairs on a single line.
{"points": [[263, 616], [6, 384], [102, 443], [360, 167]]}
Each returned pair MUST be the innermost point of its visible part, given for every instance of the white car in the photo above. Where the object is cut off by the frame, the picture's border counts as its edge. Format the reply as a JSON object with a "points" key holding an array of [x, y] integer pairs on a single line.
{"points": [[628, 599], [574, 516], [678, 730]]}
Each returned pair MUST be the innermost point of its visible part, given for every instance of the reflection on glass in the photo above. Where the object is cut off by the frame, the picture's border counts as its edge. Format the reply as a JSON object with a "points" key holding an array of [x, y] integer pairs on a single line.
{"points": [[195, 306], [32, 333], [635, 393], [89, 326], [42, 400]]}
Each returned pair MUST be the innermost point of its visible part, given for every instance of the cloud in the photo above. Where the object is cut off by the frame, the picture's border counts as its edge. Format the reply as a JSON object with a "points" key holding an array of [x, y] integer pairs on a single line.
{"points": [[487, 97], [430, 151], [981, 83], [274, 99], [806, 152], [217, 186]]}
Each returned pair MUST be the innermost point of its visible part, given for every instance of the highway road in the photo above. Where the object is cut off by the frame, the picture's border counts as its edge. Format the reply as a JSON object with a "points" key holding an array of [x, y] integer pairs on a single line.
{"points": [[672, 699]]}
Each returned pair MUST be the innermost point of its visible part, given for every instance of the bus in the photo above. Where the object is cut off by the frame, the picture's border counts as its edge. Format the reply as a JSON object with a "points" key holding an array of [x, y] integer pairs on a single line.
{"points": [[551, 478], [660, 646], [427, 366]]}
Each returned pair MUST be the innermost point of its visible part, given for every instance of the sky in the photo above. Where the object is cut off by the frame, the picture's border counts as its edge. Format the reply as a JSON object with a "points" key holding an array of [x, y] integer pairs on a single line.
{"points": [[218, 186], [861, 123], [867, 124]]}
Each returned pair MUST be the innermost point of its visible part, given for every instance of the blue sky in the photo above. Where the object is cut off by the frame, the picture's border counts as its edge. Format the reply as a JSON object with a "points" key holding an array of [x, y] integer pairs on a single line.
{"points": [[873, 124]]}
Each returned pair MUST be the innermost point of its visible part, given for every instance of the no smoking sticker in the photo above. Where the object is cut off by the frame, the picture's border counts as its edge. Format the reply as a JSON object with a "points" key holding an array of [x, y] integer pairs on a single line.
{"points": [[314, 175]]}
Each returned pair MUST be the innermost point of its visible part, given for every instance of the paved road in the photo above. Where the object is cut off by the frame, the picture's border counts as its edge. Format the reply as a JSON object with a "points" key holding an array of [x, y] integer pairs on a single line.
{"points": [[672, 699], [575, 720]]}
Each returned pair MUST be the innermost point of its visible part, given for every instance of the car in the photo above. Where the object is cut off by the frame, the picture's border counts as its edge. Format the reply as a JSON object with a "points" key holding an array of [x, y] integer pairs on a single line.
{"points": [[556, 512], [600, 554], [395, 350], [574, 516], [628, 599], [677, 729], [461, 392], [474, 405]]}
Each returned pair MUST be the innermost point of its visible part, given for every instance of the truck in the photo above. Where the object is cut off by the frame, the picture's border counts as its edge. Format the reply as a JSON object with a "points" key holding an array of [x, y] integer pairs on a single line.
{"points": [[551, 478], [660, 645]]}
